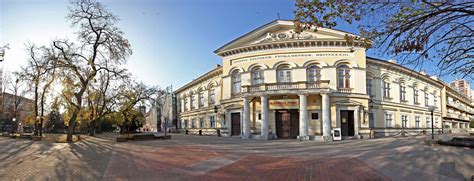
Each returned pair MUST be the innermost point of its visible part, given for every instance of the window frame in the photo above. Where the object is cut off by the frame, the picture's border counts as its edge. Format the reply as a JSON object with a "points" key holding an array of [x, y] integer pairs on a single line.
{"points": [[343, 76]]}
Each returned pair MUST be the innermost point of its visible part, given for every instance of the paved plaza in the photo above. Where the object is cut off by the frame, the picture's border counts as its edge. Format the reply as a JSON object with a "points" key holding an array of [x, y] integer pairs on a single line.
{"points": [[213, 158]]}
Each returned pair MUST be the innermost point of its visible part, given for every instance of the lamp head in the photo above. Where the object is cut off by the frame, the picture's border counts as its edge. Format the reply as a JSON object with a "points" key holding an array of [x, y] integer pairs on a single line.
{"points": [[431, 108]]}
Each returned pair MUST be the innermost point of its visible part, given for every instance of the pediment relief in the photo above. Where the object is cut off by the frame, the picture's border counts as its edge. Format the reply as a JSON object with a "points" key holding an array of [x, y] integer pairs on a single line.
{"points": [[285, 36]]}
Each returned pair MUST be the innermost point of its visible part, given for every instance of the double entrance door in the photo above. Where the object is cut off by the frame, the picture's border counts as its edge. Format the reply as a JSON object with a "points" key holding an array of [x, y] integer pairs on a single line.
{"points": [[347, 123], [287, 123]]}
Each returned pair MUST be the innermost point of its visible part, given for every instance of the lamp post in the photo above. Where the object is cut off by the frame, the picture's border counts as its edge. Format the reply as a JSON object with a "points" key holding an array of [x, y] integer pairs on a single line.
{"points": [[13, 125], [432, 108]]}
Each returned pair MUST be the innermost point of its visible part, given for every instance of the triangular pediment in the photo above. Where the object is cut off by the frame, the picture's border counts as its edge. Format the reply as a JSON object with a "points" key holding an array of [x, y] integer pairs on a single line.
{"points": [[282, 31]]}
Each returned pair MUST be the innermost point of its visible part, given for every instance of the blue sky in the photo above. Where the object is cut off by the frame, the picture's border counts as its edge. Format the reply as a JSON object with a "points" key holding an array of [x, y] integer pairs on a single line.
{"points": [[172, 40]]}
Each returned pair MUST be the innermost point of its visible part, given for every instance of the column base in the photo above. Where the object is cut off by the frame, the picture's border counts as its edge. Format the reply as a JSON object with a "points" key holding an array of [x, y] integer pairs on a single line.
{"points": [[262, 137], [244, 136], [327, 138], [303, 138]]}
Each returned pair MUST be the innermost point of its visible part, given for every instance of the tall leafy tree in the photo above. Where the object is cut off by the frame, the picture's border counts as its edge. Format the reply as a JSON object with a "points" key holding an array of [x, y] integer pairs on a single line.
{"points": [[414, 32], [100, 46]]}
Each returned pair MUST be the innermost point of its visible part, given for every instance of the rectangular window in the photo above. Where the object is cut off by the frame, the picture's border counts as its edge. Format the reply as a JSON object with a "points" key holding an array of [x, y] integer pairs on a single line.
{"points": [[372, 120], [314, 115], [185, 104], [402, 93], [417, 121], [212, 96], [193, 124], [427, 98], [435, 101], [201, 122], [386, 89], [369, 86], [185, 123], [201, 99], [415, 95], [179, 124], [405, 121], [389, 120], [259, 116], [212, 122], [192, 102], [428, 122]]}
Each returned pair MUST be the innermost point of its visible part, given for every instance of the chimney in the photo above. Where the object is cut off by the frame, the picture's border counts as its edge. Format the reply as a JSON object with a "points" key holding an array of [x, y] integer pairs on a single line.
{"points": [[218, 65], [434, 77]]}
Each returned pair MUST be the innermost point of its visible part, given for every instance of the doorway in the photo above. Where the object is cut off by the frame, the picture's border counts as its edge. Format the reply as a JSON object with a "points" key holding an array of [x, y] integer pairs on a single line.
{"points": [[347, 123], [235, 123], [287, 123]]}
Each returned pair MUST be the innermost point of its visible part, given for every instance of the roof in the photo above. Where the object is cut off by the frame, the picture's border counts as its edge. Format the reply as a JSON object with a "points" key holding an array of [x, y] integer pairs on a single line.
{"points": [[218, 68], [271, 24]]}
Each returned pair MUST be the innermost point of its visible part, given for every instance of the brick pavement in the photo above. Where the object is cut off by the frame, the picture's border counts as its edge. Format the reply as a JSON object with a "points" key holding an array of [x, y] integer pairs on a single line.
{"points": [[210, 158]]}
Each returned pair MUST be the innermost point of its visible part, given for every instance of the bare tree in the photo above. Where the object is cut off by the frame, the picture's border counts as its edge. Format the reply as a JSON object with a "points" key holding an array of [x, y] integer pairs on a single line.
{"points": [[39, 73], [101, 47], [414, 32]]}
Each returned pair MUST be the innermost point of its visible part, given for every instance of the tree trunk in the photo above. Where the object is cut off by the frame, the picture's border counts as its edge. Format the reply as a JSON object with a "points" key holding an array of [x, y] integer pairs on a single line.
{"points": [[72, 126], [42, 114], [92, 128], [36, 108]]}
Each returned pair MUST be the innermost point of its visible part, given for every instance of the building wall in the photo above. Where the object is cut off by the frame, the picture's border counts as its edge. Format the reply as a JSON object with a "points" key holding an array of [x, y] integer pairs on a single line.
{"points": [[245, 54]]}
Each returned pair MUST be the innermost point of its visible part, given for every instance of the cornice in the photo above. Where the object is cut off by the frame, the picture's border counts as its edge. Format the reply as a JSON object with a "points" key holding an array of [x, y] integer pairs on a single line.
{"points": [[209, 75], [294, 43]]}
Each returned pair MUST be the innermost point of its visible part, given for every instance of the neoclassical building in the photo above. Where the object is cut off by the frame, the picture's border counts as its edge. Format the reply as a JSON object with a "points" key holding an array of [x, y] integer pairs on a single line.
{"points": [[276, 84]]}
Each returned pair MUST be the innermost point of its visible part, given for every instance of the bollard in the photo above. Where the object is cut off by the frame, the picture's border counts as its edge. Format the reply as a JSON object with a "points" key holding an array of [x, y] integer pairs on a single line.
{"points": [[218, 132], [200, 132], [372, 134], [424, 132], [187, 132]]}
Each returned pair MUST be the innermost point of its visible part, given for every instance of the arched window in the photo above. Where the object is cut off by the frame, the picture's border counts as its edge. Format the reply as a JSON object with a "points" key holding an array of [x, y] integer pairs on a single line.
{"points": [[212, 95], [343, 76], [257, 76], [403, 92], [201, 99], [185, 104], [193, 101], [386, 88], [313, 73], [284, 74], [236, 82], [416, 94]]}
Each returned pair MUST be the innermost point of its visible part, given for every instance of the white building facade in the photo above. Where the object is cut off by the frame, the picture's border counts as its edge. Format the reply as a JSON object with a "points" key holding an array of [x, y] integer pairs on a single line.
{"points": [[277, 84]]}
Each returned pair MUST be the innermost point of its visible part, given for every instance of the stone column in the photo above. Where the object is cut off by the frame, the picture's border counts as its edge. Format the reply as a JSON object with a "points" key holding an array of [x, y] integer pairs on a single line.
{"points": [[264, 112], [326, 109], [356, 122], [303, 117], [246, 119]]}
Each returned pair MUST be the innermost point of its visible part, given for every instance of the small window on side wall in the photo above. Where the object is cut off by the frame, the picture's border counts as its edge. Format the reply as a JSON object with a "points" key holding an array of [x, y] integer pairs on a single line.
{"points": [[314, 116]]}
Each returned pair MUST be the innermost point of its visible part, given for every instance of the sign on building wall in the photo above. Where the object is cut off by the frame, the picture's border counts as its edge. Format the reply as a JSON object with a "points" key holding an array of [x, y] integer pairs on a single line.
{"points": [[284, 104], [291, 55]]}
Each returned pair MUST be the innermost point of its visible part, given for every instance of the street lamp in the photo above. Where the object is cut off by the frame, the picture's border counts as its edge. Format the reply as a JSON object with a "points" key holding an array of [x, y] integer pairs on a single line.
{"points": [[13, 125], [432, 108]]}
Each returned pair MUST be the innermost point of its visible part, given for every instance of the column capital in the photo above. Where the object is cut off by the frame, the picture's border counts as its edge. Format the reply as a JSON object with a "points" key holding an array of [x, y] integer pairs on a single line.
{"points": [[262, 95], [303, 93], [325, 93]]}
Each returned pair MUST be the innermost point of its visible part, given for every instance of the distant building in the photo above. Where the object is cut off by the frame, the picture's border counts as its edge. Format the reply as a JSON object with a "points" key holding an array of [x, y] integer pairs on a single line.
{"points": [[462, 86], [7, 110]]}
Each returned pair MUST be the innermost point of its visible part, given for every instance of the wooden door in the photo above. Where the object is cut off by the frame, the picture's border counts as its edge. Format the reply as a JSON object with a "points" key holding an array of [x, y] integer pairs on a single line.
{"points": [[294, 123], [235, 119], [282, 124], [347, 123]]}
